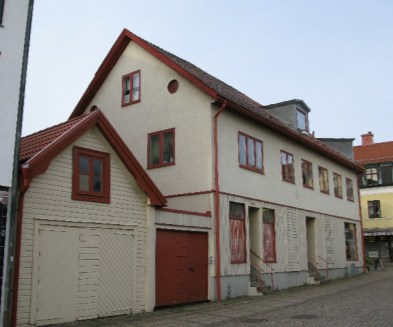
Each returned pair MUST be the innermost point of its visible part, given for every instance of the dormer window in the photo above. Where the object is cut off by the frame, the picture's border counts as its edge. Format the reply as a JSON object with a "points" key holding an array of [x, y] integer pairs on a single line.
{"points": [[131, 88], [301, 118]]}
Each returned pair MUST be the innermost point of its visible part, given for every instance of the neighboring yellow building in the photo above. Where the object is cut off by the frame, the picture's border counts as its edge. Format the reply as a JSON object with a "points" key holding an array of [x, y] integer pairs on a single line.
{"points": [[376, 193]]}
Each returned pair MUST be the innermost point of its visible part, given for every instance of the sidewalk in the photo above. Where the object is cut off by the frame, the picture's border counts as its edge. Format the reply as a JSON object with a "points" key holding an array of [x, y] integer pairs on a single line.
{"points": [[293, 305]]}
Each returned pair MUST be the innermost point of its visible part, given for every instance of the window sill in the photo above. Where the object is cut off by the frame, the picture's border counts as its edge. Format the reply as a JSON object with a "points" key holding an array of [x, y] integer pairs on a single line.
{"points": [[309, 187], [129, 103], [338, 197], [288, 181], [160, 165], [255, 170], [325, 192], [91, 198]]}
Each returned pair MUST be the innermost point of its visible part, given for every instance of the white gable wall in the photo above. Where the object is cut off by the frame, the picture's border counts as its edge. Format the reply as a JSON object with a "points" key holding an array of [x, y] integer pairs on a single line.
{"points": [[187, 110], [48, 207]]}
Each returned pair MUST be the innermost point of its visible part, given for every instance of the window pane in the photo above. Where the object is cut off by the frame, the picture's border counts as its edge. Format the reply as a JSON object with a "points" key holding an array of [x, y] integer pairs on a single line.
{"points": [[242, 150], [250, 152], [301, 120], [168, 155], [126, 89], [83, 165], [236, 210], [259, 155], [154, 149], [84, 183], [135, 87], [350, 241], [268, 242], [97, 184], [97, 179]]}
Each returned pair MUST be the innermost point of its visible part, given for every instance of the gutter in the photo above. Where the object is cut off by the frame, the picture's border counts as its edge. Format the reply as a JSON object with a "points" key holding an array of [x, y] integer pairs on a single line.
{"points": [[217, 200]]}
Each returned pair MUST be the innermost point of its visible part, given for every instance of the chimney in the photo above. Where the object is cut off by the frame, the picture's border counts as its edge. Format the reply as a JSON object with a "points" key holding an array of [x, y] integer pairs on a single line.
{"points": [[368, 139]]}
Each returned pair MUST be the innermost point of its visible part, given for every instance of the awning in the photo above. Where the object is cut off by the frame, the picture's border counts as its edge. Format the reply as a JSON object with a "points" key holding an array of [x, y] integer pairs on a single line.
{"points": [[377, 232]]}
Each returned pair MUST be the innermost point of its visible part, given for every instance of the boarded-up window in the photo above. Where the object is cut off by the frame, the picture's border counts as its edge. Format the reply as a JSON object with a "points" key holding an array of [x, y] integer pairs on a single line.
{"points": [[237, 223], [269, 238], [350, 241]]}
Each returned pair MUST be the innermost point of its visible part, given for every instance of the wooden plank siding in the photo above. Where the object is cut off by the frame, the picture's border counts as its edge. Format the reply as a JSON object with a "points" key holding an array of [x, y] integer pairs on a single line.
{"points": [[49, 199], [291, 242]]}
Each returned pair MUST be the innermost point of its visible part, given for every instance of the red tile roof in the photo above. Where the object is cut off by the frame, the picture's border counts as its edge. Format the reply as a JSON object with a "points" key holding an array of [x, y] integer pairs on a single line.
{"points": [[374, 153], [37, 151], [32, 144]]}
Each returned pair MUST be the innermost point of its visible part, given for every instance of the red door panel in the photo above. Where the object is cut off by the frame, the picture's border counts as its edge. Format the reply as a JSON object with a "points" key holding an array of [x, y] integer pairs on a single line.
{"points": [[181, 267]]}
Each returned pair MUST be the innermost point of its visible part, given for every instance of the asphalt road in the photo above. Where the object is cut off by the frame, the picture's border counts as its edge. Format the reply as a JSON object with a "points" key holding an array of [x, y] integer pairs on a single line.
{"points": [[365, 300]]}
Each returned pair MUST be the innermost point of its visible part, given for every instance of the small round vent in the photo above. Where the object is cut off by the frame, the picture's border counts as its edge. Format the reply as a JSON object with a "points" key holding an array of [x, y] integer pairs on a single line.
{"points": [[173, 85]]}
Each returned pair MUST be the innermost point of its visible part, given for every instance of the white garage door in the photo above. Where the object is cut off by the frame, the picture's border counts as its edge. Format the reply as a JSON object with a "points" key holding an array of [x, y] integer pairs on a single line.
{"points": [[83, 272]]}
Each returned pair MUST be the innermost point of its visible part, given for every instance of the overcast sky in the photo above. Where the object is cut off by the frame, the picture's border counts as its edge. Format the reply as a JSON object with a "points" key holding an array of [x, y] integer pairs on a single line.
{"points": [[335, 55]]}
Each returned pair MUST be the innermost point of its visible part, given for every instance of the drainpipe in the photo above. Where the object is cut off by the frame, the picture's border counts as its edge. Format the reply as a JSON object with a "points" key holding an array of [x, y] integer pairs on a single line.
{"points": [[217, 200], [361, 226]]}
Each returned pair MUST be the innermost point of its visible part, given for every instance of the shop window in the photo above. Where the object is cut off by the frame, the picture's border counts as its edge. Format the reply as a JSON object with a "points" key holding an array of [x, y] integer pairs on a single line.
{"points": [[350, 241], [237, 223], [269, 237]]}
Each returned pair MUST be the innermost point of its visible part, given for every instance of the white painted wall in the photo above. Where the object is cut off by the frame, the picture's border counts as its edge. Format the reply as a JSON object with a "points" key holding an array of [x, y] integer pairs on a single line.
{"points": [[270, 186], [12, 37], [48, 202], [187, 110]]}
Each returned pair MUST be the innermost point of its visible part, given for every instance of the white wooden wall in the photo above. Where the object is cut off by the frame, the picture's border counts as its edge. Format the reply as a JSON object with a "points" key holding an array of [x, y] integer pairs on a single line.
{"points": [[49, 199]]}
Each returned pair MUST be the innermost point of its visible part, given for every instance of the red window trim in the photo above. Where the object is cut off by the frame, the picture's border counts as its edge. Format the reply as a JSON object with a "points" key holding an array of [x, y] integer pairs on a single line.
{"points": [[292, 181], [307, 163], [130, 76], [337, 196], [261, 171], [274, 243], [78, 195], [161, 151], [346, 186], [319, 176]]}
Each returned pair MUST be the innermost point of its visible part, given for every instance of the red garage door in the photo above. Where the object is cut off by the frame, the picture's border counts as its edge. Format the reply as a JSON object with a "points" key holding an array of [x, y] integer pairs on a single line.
{"points": [[181, 267]]}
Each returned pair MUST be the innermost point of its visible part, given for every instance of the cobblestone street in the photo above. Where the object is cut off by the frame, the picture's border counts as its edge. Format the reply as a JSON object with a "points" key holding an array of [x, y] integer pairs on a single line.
{"points": [[364, 300]]}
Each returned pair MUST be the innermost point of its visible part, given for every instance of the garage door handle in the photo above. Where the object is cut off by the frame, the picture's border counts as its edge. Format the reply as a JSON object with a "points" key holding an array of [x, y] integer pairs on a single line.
{"points": [[189, 267]]}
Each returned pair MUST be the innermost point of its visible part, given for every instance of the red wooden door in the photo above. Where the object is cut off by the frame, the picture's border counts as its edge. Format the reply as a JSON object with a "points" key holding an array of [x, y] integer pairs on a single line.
{"points": [[181, 267]]}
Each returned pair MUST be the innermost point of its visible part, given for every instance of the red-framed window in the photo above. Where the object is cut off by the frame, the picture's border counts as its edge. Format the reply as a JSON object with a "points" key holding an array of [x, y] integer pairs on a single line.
{"points": [[131, 88], [161, 148], [237, 222], [269, 235], [338, 185], [91, 175], [287, 167], [323, 180], [351, 252], [307, 174], [349, 189], [250, 153]]}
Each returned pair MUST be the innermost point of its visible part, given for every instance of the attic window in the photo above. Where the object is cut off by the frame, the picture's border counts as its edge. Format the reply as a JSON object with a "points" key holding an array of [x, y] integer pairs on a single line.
{"points": [[90, 179], [173, 85], [301, 118], [131, 88]]}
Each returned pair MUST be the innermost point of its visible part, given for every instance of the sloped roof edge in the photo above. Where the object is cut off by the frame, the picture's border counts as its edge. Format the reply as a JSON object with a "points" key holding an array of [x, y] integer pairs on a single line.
{"points": [[217, 89], [40, 161]]}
